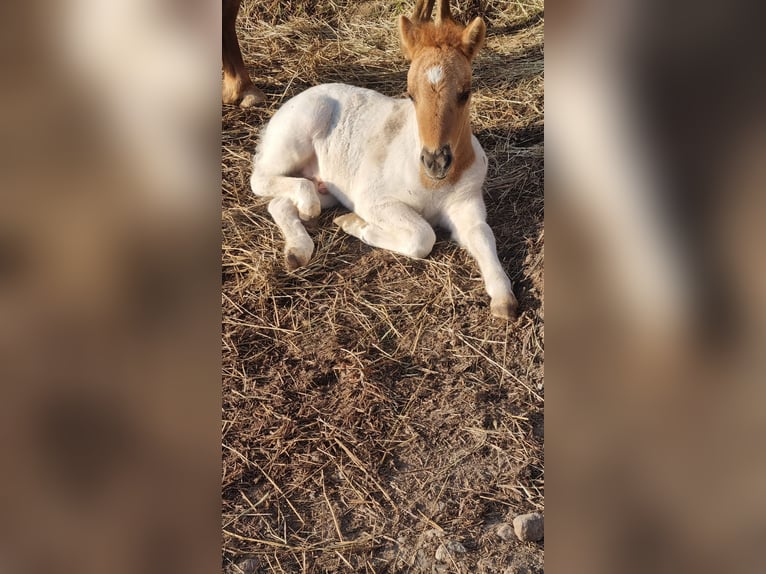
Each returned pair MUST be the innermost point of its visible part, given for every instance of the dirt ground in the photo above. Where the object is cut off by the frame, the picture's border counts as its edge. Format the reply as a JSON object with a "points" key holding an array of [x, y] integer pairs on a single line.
{"points": [[372, 408]]}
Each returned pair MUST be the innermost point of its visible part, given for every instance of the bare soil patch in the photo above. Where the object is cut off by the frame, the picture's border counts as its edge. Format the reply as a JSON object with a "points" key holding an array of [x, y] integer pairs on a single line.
{"points": [[374, 414]]}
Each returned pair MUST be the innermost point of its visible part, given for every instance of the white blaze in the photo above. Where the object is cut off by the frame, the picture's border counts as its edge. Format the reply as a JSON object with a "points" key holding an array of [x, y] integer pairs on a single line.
{"points": [[434, 74]]}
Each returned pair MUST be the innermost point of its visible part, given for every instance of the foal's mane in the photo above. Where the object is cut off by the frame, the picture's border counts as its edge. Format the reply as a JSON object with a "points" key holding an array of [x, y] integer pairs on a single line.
{"points": [[431, 35], [442, 32]]}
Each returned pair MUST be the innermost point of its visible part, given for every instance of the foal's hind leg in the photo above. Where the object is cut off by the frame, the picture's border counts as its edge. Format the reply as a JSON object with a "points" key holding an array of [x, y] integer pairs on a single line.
{"points": [[298, 244], [295, 199], [300, 191], [286, 168], [280, 159]]}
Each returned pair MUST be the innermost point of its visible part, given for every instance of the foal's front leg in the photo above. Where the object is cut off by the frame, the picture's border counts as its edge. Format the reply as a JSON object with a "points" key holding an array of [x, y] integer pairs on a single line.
{"points": [[469, 228], [393, 226]]}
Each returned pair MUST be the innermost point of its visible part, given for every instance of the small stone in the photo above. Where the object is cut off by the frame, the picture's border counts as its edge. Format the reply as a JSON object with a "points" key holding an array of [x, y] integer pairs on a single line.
{"points": [[447, 548], [505, 531], [529, 527]]}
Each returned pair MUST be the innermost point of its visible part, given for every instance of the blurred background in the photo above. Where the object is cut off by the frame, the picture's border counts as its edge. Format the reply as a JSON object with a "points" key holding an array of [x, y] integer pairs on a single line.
{"points": [[109, 286], [656, 299]]}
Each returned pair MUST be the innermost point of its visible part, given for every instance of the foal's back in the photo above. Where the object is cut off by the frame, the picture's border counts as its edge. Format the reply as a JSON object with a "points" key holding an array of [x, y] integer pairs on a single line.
{"points": [[337, 133]]}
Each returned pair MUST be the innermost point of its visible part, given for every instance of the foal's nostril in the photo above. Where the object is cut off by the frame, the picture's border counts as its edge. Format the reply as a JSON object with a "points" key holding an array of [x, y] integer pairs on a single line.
{"points": [[443, 158], [446, 154], [428, 159]]}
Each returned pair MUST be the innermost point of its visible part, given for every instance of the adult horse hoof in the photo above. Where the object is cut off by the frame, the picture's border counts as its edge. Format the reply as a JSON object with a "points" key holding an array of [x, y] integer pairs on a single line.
{"points": [[251, 97]]}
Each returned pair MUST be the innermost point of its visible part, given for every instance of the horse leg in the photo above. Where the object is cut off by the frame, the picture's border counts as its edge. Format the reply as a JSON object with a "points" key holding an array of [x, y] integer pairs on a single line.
{"points": [[467, 222], [237, 86], [298, 244], [301, 191], [393, 226], [296, 199]]}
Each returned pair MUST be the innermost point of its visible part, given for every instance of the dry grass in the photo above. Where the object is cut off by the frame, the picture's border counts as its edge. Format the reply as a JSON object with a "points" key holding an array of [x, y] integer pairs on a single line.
{"points": [[371, 406]]}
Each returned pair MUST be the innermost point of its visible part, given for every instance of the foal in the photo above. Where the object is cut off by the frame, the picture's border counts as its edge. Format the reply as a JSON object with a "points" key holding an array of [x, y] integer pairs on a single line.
{"points": [[400, 165]]}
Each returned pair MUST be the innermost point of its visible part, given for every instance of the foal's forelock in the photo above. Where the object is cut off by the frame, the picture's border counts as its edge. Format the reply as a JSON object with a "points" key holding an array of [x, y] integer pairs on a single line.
{"points": [[439, 83]]}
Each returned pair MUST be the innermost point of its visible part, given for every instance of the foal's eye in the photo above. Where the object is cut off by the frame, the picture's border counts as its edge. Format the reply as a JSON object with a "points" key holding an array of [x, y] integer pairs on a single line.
{"points": [[463, 96]]}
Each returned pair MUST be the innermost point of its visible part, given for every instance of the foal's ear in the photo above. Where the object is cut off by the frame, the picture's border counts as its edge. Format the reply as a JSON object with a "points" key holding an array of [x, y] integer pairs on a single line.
{"points": [[407, 35], [473, 37]]}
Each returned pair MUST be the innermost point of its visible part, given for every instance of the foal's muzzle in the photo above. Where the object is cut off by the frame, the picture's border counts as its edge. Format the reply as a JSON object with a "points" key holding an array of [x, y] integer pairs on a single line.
{"points": [[437, 163]]}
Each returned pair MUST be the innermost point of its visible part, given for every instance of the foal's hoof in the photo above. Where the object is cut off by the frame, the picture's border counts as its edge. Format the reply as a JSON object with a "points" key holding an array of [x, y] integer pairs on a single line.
{"points": [[295, 260], [351, 223], [292, 262], [298, 255], [505, 309]]}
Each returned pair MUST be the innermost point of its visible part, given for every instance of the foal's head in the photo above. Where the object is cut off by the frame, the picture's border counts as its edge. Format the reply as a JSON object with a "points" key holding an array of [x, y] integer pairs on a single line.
{"points": [[439, 83]]}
